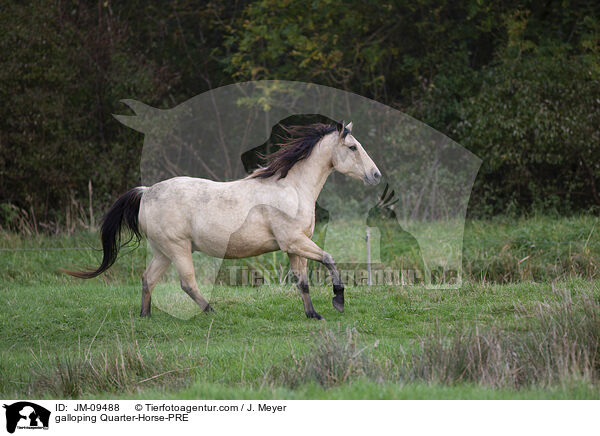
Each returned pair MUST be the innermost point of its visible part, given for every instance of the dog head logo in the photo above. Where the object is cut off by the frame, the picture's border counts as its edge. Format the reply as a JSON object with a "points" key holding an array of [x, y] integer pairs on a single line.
{"points": [[26, 415]]}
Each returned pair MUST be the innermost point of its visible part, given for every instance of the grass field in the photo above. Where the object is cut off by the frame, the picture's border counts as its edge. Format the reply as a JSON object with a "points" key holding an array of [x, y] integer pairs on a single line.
{"points": [[518, 333]]}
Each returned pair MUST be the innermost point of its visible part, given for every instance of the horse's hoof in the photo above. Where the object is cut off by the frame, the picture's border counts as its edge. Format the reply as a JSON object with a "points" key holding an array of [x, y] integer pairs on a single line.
{"points": [[208, 309], [314, 315], [338, 303]]}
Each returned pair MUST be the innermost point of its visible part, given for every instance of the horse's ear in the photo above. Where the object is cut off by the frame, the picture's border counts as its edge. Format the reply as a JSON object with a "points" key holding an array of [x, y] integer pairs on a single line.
{"points": [[349, 127], [343, 127]]}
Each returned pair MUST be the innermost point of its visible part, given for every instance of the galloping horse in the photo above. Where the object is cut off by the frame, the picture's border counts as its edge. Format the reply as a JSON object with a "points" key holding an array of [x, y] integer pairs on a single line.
{"points": [[271, 209]]}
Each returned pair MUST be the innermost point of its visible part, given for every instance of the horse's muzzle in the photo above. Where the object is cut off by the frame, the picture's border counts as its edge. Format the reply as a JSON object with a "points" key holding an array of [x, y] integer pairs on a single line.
{"points": [[373, 178]]}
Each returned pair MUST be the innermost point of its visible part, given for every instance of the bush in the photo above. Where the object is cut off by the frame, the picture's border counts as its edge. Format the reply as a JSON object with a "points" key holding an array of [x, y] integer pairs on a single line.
{"points": [[535, 124]]}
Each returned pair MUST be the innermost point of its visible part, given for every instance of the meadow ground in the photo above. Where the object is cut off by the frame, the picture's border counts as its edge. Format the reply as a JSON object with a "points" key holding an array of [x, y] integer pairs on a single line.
{"points": [[532, 334]]}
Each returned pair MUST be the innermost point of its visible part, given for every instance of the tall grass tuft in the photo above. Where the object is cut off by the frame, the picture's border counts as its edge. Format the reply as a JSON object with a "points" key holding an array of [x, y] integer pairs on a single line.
{"points": [[558, 341], [335, 358], [124, 369]]}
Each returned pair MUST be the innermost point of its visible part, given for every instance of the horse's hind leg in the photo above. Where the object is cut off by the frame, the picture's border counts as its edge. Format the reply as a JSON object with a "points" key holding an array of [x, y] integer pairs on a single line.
{"points": [[181, 256], [298, 266], [158, 265]]}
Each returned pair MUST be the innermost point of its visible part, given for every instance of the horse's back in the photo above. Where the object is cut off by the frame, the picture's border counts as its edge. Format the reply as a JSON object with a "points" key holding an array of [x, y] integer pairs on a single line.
{"points": [[208, 213], [177, 202]]}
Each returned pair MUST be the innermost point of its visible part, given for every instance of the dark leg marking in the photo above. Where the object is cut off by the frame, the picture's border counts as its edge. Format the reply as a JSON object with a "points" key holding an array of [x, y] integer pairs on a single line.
{"points": [[303, 286], [146, 299], [313, 314], [338, 286], [309, 310], [338, 298], [198, 299]]}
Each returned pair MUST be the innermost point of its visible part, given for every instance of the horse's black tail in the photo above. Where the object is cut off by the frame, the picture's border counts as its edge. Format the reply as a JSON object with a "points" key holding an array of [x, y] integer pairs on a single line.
{"points": [[125, 211]]}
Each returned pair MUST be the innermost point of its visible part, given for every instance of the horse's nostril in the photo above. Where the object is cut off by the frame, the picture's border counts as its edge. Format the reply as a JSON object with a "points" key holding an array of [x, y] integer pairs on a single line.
{"points": [[376, 175]]}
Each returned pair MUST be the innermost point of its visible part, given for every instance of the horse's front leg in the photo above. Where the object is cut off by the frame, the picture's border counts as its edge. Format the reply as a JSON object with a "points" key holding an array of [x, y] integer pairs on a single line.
{"points": [[298, 265], [303, 246], [338, 286]]}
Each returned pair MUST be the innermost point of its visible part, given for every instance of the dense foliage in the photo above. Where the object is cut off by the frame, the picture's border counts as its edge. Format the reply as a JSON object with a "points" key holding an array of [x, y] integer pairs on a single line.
{"points": [[516, 82]]}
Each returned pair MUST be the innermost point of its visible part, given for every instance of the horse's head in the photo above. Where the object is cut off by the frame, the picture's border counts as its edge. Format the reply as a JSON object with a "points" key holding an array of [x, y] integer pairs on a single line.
{"points": [[351, 159]]}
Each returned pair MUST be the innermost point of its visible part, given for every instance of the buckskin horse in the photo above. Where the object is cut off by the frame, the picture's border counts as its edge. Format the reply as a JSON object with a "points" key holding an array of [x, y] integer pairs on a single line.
{"points": [[271, 209]]}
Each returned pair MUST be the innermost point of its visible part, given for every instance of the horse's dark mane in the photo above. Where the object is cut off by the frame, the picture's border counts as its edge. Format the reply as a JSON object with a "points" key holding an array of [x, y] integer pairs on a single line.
{"points": [[298, 145]]}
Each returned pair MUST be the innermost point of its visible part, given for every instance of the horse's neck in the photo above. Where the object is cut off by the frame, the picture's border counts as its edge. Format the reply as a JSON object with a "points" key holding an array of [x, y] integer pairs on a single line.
{"points": [[309, 175]]}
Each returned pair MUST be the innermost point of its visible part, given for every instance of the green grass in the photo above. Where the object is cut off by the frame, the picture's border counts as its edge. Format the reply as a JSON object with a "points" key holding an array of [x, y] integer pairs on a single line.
{"points": [[63, 337], [233, 349], [369, 390]]}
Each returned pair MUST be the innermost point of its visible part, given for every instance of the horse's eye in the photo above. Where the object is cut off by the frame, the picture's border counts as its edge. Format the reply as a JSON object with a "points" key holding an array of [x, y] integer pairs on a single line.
{"points": [[352, 147]]}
